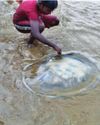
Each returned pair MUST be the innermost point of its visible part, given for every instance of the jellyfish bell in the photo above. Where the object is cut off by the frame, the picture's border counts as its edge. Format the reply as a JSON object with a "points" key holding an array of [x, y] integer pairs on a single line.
{"points": [[70, 74]]}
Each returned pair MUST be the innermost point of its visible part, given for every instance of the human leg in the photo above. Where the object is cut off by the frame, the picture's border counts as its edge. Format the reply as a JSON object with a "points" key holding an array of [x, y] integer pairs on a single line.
{"points": [[24, 27]]}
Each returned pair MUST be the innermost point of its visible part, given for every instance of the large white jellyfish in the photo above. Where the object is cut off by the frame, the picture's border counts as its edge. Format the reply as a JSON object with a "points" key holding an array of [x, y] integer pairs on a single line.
{"points": [[72, 73]]}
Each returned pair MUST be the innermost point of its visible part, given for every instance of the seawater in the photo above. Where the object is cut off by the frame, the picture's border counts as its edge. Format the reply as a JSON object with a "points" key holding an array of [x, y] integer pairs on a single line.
{"points": [[78, 31]]}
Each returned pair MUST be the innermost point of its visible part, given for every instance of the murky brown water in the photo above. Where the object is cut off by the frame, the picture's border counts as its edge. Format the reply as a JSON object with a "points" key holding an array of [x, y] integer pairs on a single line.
{"points": [[79, 30]]}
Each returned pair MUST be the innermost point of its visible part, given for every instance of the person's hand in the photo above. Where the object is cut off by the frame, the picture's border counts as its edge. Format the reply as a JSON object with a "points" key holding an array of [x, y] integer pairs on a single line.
{"points": [[58, 50]]}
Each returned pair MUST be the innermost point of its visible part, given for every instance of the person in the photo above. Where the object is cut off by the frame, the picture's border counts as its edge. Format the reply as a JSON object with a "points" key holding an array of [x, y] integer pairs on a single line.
{"points": [[33, 17]]}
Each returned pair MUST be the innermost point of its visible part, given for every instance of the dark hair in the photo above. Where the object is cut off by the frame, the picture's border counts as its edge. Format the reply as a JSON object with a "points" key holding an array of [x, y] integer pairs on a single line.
{"points": [[52, 4]]}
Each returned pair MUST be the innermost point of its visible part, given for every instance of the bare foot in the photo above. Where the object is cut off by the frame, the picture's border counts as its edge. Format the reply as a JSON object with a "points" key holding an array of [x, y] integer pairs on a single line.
{"points": [[33, 43], [30, 45]]}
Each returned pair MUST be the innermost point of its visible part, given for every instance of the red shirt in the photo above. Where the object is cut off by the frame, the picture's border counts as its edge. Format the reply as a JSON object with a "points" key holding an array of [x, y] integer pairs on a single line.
{"points": [[28, 10]]}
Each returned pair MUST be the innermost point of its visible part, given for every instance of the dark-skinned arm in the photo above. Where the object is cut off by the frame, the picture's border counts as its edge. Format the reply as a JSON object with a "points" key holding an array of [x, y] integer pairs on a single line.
{"points": [[37, 35]]}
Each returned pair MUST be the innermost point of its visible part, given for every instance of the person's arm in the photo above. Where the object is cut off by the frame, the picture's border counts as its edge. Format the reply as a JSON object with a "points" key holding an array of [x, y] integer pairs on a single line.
{"points": [[37, 35]]}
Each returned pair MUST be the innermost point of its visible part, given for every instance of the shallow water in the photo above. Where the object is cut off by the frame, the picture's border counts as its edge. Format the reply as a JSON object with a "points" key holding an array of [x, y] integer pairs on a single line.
{"points": [[78, 31]]}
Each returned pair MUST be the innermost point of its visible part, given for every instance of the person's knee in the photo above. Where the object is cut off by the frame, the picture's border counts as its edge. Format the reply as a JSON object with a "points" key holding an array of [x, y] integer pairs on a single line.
{"points": [[54, 22]]}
